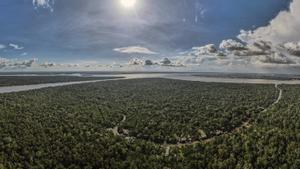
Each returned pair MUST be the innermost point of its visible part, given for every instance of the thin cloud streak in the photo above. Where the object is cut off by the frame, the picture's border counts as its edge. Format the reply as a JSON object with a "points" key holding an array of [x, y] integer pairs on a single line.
{"points": [[135, 50]]}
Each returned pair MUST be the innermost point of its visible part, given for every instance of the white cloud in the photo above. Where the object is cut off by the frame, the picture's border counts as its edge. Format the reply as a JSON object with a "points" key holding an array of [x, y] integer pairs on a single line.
{"points": [[274, 58], [15, 46], [204, 50], [283, 28], [197, 59], [43, 4], [148, 63], [135, 50], [46, 65], [275, 44], [165, 62], [3, 62], [141, 62], [293, 48], [16, 64], [258, 53], [135, 61], [231, 45], [24, 54], [260, 46], [2, 46], [201, 55]]}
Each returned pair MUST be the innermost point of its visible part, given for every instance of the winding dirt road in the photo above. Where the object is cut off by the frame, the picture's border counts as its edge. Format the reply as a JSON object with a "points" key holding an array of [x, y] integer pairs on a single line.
{"points": [[244, 125], [115, 131], [280, 94], [168, 146]]}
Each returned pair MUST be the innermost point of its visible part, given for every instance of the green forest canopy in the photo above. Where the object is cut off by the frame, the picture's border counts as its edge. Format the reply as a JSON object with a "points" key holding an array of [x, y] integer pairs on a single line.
{"points": [[67, 127]]}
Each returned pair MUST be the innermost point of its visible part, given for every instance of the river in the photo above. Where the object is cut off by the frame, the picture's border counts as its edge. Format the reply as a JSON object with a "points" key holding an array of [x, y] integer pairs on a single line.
{"points": [[187, 77]]}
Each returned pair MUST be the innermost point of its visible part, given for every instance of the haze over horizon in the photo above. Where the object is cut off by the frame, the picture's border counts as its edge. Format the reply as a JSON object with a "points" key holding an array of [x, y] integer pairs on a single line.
{"points": [[149, 35]]}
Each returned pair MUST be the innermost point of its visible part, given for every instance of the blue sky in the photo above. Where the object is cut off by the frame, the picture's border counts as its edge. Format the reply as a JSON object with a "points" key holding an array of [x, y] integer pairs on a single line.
{"points": [[70, 31]]}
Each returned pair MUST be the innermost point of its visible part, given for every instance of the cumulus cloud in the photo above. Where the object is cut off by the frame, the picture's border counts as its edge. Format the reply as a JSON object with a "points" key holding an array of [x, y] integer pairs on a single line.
{"points": [[68, 65], [135, 61], [3, 62], [135, 50], [293, 48], [283, 28], [231, 45], [207, 49], [196, 60], [260, 46], [275, 44], [255, 49], [15, 46], [141, 62], [148, 63], [16, 64], [275, 58], [201, 55], [233, 52], [28, 63], [165, 62], [43, 4], [47, 65]]}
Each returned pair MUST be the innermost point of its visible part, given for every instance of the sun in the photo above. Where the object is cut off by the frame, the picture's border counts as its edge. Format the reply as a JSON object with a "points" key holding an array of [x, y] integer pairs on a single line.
{"points": [[128, 3]]}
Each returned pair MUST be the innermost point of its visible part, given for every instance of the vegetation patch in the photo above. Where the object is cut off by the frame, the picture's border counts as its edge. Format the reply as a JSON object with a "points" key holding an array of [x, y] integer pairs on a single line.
{"points": [[69, 127]]}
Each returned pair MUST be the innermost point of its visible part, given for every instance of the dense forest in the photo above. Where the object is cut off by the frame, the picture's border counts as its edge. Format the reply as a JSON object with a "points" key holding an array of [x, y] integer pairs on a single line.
{"points": [[272, 141], [232, 125], [27, 80]]}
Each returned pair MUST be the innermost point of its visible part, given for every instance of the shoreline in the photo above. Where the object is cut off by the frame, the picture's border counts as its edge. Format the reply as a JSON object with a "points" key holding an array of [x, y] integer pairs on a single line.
{"points": [[20, 88]]}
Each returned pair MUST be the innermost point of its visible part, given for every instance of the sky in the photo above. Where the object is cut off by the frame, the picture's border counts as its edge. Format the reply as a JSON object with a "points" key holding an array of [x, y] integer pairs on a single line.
{"points": [[177, 34]]}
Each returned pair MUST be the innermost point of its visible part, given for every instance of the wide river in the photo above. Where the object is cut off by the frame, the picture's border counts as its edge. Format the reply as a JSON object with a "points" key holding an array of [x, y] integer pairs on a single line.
{"points": [[186, 77]]}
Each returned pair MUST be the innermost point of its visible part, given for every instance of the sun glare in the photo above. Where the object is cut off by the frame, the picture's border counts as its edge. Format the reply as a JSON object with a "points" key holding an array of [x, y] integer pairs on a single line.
{"points": [[128, 3]]}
